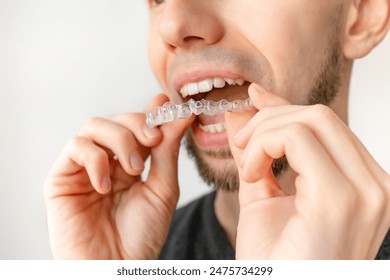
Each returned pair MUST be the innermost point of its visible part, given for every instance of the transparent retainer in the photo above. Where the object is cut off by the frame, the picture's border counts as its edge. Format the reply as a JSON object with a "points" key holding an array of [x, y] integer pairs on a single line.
{"points": [[170, 112]]}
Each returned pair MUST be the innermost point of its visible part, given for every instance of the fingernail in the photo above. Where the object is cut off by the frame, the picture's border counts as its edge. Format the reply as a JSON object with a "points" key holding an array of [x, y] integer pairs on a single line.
{"points": [[106, 184], [136, 161], [151, 132]]}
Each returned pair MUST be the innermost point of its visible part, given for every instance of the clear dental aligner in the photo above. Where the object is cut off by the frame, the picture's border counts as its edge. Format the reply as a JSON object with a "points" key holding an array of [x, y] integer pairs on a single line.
{"points": [[170, 112]]}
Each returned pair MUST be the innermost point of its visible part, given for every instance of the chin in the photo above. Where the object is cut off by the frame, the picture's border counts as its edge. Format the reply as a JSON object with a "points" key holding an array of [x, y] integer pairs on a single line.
{"points": [[215, 165]]}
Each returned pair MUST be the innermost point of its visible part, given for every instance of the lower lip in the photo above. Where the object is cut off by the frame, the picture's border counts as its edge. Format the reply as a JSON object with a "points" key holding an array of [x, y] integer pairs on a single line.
{"points": [[207, 140]]}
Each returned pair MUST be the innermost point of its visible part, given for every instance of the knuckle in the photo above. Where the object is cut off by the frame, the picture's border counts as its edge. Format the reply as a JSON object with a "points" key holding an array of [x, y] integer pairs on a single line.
{"points": [[84, 150], [124, 137], [99, 156], [323, 112], [378, 199], [91, 122], [75, 142]]}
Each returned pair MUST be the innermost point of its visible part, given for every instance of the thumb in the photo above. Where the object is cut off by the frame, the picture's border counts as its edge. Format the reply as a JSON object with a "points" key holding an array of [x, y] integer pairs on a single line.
{"points": [[163, 174]]}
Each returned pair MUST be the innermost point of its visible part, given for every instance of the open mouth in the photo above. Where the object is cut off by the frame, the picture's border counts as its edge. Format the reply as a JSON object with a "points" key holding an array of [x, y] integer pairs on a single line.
{"points": [[208, 85], [214, 89]]}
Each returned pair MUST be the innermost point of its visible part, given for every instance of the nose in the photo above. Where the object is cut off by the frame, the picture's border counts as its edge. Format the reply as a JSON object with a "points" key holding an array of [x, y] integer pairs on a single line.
{"points": [[185, 24]]}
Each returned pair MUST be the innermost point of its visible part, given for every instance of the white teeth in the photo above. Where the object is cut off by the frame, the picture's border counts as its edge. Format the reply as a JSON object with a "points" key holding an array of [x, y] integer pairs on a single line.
{"points": [[213, 128], [231, 82], [193, 88], [240, 82], [207, 85], [219, 83], [190, 89], [184, 91]]}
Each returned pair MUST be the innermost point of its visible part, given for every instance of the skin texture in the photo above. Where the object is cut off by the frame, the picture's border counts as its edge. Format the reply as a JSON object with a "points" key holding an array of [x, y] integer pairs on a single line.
{"points": [[332, 203]]}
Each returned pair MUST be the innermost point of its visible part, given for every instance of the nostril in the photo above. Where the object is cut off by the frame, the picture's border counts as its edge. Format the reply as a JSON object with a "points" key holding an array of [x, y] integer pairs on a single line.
{"points": [[192, 38]]}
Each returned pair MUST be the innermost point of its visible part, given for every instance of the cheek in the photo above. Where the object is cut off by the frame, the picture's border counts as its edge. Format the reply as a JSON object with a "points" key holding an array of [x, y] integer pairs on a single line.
{"points": [[157, 57], [294, 40]]}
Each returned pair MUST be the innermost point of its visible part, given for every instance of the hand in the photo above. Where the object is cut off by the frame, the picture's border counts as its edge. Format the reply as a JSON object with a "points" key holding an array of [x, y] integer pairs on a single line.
{"points": [[340, 206], [98, 207]]}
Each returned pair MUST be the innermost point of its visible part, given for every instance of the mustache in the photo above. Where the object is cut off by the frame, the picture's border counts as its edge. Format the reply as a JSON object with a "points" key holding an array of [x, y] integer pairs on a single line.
{"points": [[217, 55], [240, 61]]}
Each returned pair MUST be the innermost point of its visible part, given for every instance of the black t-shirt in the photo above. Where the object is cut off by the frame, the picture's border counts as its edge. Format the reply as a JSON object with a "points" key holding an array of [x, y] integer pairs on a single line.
{"points": [[196, 234]]}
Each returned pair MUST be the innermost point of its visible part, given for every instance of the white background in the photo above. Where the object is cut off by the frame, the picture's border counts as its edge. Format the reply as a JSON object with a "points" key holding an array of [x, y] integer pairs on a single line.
{"points": [[62, 62]]}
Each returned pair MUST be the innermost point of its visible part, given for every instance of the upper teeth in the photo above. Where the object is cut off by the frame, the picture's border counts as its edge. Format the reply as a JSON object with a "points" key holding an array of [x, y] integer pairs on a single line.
{"points": [[207, 85]]}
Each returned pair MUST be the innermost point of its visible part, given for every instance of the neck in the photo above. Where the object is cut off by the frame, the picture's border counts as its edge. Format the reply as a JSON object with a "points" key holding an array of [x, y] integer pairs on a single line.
{"points": [[227, 210]]}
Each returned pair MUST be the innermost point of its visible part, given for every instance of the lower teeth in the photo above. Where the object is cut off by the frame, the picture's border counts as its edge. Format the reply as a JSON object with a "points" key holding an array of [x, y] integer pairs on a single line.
{"points": [[213, 128], [170, 112]]}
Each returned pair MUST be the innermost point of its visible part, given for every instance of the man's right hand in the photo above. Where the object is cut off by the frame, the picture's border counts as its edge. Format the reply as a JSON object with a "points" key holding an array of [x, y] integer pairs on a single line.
{"points": [[98, 207]]}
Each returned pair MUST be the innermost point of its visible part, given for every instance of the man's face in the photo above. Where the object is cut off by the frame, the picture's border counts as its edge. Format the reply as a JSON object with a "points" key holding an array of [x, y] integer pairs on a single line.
{"points": [[214, 49]]}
